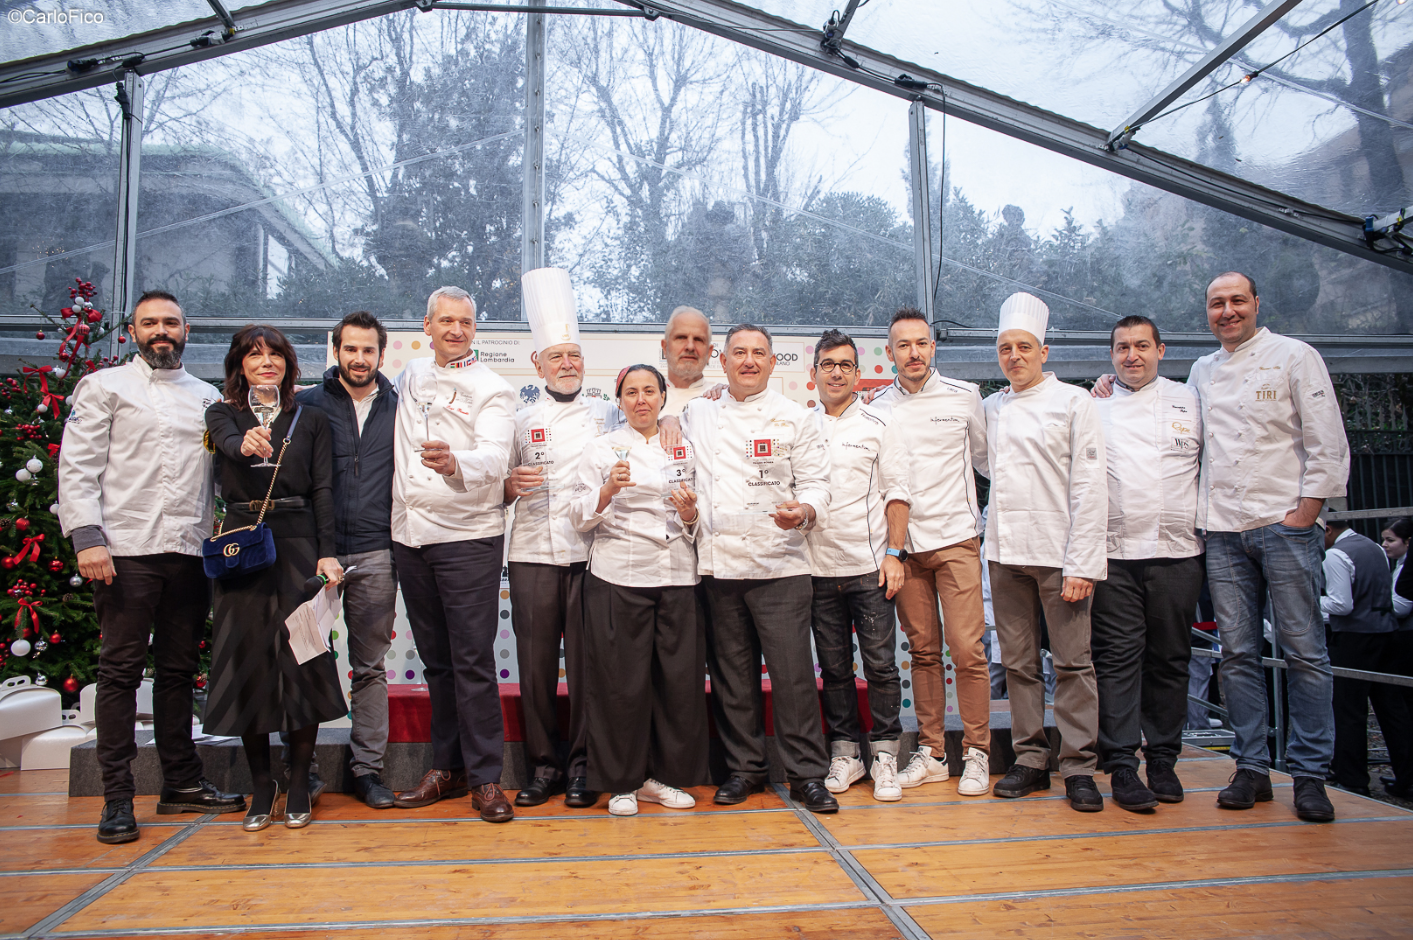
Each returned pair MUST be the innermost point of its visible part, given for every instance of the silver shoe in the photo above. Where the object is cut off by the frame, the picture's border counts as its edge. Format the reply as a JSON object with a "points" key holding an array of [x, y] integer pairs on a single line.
{"points": [[254, 822], [298, 820]]}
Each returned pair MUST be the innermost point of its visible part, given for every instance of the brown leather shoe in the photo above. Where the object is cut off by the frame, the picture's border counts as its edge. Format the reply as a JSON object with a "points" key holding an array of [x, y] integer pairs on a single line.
{"points": [[436, 785], [491, 801]]}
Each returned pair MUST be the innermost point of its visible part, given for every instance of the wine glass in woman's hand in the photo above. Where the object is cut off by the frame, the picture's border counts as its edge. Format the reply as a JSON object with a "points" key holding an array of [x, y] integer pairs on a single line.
{"points": [[264, 403]]}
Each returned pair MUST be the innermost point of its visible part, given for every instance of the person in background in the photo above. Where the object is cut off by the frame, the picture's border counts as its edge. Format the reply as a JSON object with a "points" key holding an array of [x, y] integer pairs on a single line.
{"points": [[135, 498], [257, 686], [643, 632], [1399, 661], [1045, 540], [762, 484], [850, 592], [455, 429], [361, 406], [993, 645], [1142, 614], [936, 438], [687, 349], [548, 555], [1358, 608]]}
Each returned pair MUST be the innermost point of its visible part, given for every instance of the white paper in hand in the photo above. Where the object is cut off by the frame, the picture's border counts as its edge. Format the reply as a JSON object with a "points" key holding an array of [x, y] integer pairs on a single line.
{"points": [[311, 624]]}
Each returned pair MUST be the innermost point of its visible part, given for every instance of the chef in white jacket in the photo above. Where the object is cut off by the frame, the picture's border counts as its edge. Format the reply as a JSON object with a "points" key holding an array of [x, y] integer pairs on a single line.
{"points": [[1045, 539], [548, 555], [762, 484], [1143, 611]]}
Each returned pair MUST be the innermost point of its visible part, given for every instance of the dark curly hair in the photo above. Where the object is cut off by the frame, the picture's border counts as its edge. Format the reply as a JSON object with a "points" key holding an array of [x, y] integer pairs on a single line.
{"points": [[246, 340]]}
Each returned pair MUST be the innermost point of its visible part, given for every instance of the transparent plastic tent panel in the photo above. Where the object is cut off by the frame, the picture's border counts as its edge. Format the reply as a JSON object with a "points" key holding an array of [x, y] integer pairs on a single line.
{"points": [[58, 209], [361, 167], [40, 27], [687, 169]]}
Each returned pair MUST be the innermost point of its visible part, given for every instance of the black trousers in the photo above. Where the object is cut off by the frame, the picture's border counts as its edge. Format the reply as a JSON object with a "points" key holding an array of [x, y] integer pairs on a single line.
{"points": [[547, 604], [844, 608], [166, 596], [1140, 628], [1368, 651], [452, 593], [748, 619], [647, 711]]}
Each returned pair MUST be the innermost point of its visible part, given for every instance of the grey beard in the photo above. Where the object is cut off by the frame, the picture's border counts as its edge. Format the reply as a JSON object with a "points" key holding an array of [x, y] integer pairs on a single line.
{"points": [[162, 360]]}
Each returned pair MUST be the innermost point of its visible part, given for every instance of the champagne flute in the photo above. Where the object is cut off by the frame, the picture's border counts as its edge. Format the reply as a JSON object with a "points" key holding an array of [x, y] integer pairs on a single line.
{"points": [[265, 405]]}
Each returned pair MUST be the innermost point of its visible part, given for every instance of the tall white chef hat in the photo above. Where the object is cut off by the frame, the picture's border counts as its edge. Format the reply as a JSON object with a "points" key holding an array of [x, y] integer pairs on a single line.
{"points": [[1023, 311], [549, 305]]}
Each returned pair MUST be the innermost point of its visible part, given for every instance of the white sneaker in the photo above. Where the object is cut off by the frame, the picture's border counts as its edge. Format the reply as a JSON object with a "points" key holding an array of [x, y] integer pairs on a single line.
{"points": [[653, 792], [843, 770], [623, 804], [976, 774], [922, 768], [885, 778]]}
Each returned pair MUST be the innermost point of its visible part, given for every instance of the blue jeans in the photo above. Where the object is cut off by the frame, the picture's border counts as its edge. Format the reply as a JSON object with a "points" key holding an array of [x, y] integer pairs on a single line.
{"points": [[1242, 567], [844, 608]]}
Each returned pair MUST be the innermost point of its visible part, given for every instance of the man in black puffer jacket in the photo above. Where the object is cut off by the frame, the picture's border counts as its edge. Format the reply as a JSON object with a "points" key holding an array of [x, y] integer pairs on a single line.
{"points": [[361, 405]]}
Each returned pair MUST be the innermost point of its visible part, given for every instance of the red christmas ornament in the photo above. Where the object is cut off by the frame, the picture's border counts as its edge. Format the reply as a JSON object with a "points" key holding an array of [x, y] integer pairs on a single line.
{"points": [[21, 524], [71, 685], [8, 562], [122, 339], [39, 334], [94, 316], [56, 566], [201, 682], [55, 637]]}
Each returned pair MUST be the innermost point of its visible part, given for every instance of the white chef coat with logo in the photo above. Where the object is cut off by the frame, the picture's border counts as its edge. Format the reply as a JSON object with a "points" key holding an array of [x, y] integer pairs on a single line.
{"points": [[1153, 439], [1049, 487], [856, 537], [554, 435], [638, 540], [1273, 430], [132, 460], [753, 455], [474, 412], [935, 439]]}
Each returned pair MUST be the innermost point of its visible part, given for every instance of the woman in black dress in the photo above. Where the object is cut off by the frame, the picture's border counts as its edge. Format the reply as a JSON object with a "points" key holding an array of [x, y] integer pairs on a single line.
{"points": [[256, 685]]}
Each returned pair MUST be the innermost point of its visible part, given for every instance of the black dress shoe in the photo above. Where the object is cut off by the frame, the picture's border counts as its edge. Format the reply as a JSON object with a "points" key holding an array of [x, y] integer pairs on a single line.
{"points": [[203, 798], [371, 790], [541, 789], [118, 823], [1164, 782], [1129, 791], [1311, 803], [736, 789], [1246, 789], [316, 788], [1085, 796], [813, 796], [578, 794], [1020, 780], [1392, 788]]}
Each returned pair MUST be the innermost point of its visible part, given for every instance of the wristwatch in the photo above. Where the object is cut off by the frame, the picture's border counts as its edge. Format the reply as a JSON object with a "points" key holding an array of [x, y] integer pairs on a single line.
{"points": [[807, 523], [899, 553]]}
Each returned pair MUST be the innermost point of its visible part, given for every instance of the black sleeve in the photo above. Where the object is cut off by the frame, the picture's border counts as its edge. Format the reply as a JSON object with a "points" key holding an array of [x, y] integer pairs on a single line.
{"points": [[1404, 587], [225, 432], [321, 474]]}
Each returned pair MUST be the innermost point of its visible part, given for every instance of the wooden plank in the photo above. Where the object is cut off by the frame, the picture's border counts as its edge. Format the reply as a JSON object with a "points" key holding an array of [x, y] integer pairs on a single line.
{"points": [[1329, 910], [194, 900], [25, 899], [853, 924], [75, 848], [546, 837], [940, 871], [58, 810], [34, 781], [344, 806]]}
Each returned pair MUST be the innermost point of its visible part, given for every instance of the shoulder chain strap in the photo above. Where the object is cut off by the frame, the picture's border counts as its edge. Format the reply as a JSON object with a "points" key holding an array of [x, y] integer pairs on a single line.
{"points": [[279, 461]]}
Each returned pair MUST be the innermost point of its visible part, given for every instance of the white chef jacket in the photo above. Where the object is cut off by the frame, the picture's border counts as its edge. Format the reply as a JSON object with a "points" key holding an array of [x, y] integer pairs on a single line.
{"points": [[474, 412], [1049, 489], [638, 540], [854, 541], [677, 398], [935, 439], [1338, 598], [554, 435], [751, 456], [1153, 439], [132, 460], [1402, 606], [1273, 432]]}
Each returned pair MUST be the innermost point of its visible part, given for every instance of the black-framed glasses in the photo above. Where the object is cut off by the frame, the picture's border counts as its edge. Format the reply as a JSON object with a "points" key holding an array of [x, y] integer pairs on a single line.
{"points": [[829, 365]]}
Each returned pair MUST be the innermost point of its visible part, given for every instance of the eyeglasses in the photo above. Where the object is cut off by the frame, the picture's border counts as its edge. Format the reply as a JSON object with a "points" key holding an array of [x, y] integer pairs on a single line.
{"points": [[829, 365]]}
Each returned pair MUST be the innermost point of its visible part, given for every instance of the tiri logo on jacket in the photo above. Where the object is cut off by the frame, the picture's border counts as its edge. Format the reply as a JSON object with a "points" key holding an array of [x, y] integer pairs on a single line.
{"points": [[679, 453], [761, 448], [539, 436]]}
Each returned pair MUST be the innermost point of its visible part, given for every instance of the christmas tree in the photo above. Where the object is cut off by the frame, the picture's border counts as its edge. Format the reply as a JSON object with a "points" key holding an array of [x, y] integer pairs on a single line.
{"points": [[49, 627]]}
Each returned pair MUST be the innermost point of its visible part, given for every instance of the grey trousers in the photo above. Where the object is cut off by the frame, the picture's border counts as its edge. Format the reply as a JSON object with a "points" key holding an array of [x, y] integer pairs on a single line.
{"points": [[1142, 620], [748, 619], [1018, 594], [547, 604], [369, 609]]}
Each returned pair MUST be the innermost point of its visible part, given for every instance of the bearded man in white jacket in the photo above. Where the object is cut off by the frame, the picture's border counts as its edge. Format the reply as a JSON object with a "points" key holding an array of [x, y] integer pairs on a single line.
{"points": [[1045, 537]]}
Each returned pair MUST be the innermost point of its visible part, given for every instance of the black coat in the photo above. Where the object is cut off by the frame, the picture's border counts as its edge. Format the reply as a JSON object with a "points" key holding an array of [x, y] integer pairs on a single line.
{"points": [[363, 463]]}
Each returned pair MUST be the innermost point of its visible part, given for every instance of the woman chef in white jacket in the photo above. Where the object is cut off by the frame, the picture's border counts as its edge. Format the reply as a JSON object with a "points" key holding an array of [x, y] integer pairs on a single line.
{"points": [[643, 634]]}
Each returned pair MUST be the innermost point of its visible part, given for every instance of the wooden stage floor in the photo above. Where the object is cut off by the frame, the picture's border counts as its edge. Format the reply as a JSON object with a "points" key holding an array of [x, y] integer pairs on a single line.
{"points": [[935, 865]]}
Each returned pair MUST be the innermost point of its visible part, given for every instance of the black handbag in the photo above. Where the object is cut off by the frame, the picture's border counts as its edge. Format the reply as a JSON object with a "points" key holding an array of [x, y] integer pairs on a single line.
{"points": [[250, 548]]}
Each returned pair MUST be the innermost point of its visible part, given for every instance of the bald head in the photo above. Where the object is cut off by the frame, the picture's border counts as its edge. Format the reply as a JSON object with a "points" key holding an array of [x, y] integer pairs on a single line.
{"points": [[686, 345]]}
